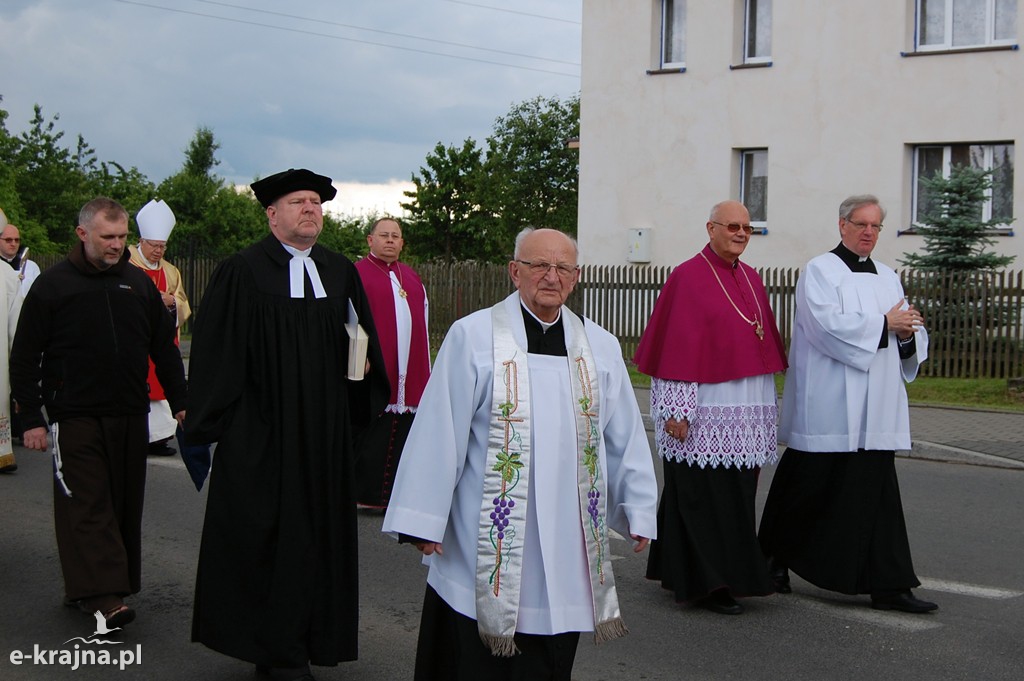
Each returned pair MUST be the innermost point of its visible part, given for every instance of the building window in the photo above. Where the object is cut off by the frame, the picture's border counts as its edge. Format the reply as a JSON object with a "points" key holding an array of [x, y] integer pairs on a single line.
{"points": [[757, 34], [754, 185], [931, 159], [954, 24], [673, 33]]}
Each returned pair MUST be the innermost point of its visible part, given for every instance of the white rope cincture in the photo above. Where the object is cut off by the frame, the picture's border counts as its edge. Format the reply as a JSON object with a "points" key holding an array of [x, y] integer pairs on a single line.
{"points": [[58, 464]]}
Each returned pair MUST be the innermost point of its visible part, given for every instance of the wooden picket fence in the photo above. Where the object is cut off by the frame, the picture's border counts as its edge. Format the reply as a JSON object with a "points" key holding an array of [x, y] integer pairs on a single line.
{"points": [[974, 319]]}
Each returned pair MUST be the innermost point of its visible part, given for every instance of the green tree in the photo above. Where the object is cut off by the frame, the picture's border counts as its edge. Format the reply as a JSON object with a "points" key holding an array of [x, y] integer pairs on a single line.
{"points": [[445, 212], [190, 194], [51, 182], [955, 236], [346, 235], [44, 183], [9, 200], [532, 176], [955, 279], [468, 205]]}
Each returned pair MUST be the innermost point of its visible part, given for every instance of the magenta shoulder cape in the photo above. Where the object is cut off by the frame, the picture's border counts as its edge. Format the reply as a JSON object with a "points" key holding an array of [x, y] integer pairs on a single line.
{"points": [[379, 293], [696, 335]]}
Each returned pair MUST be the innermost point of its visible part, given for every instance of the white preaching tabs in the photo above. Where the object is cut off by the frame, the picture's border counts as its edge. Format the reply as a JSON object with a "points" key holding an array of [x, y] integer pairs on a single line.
{"points": [[302, 263], [357, 345]]}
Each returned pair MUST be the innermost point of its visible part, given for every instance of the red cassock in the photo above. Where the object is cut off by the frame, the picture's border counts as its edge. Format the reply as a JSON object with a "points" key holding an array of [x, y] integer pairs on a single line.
{"points": [[156, 391]]}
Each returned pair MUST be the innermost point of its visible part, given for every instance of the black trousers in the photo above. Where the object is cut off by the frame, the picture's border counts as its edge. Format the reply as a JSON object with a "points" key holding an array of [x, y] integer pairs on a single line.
{"points": [[450, 649], [99, 526], [707, 535], [377, 454], [836, 519]]}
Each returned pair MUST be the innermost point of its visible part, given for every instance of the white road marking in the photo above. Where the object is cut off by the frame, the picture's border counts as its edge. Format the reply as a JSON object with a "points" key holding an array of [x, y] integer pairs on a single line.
{"points": [[166, 461], [968, 589], [861, 611]]}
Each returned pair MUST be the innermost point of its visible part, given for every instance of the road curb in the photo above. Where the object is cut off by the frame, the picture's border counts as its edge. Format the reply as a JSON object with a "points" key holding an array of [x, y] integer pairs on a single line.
{"points": [[933, 451], [925, 451]]}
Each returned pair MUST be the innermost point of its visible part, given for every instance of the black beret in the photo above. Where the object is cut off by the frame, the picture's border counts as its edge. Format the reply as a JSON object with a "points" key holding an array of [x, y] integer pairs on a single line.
{"points": [[273, 187]]}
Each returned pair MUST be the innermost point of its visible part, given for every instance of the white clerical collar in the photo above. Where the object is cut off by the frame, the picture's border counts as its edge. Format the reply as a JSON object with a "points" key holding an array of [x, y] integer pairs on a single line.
{"points": [[543, 324], [302, 263], [296, 253], [146, 262]]}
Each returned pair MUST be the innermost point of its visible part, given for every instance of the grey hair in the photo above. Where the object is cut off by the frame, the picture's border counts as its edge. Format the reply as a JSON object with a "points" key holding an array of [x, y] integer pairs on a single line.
{"points": [[109, 208], [852, 203], [526, 231]]}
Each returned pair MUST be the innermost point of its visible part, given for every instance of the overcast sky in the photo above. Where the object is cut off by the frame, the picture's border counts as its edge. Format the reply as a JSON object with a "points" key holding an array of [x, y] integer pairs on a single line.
{"points": [[360, 90]]}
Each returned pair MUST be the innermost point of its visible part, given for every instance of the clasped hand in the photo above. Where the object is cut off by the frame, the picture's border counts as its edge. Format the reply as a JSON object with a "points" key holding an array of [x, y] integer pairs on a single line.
{"points": [[904, 322]]}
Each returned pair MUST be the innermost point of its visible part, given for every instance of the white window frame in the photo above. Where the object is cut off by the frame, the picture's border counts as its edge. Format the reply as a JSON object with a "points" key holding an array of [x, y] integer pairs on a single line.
{"points": [[988, 150], [673, 26], [760, 223], [750, 10], [947, 31]]}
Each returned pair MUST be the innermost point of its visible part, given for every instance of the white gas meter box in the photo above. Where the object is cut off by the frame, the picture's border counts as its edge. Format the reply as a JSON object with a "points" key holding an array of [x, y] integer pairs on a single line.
{"points": [[639, 249]]}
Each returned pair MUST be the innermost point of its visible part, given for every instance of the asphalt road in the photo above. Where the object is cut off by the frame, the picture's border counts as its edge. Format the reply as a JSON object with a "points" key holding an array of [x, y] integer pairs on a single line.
{"points": [[965, 528]]}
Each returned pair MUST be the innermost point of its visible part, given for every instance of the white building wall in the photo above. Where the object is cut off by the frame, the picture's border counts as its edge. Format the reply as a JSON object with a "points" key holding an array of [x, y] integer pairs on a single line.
{"points": [[838, 110]]}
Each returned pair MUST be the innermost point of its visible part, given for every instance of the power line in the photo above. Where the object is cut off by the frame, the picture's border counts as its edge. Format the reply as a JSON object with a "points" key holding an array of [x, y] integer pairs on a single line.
{"points": [[353, 40], [512, 11], [377, 30]]}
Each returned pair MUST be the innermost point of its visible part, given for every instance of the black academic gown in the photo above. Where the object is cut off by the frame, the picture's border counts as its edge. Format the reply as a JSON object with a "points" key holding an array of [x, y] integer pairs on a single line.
{"points": [[277, 577]]}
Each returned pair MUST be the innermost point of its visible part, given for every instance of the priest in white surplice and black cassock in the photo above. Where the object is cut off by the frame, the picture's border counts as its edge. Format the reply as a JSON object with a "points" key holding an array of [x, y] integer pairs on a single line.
{"points": [[833, 514], [527, 450]]}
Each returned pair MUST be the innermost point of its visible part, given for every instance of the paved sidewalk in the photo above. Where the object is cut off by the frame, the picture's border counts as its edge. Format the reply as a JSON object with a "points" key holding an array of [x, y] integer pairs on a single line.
{"points": [[970, 436]]}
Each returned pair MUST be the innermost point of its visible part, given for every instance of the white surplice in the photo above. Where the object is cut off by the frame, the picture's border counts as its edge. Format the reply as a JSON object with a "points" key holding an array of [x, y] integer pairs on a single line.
{"points": [[10, 309], [437, 490], [843, 392]]}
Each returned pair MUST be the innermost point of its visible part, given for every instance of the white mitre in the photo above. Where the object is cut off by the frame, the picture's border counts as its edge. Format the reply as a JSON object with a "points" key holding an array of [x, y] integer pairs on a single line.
{"points": [[155, 221]]}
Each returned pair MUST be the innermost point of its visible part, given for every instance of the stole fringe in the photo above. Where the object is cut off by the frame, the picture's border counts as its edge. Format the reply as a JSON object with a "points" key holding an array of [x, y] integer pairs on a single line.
{"points": [[610, 629], [505, 646], [500, 646]]}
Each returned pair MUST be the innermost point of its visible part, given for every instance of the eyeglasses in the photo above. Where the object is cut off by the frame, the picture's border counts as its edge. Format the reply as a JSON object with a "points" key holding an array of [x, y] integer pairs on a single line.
{"points": [[734, 227], [155, 245], [11, 239], [541, 269], [861, 226], [386, 235]]}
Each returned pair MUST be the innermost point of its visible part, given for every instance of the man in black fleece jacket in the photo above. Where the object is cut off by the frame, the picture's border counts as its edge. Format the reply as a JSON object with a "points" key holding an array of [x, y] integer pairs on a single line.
{"points": [[88, 327]]}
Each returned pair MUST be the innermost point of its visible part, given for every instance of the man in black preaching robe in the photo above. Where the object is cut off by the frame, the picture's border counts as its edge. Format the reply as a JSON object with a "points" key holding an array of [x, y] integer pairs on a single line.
{"points": [[277, 577]]}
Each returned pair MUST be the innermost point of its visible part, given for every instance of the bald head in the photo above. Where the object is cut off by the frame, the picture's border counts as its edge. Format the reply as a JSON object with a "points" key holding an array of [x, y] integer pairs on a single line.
{"points": [[729, 229], [544, 270], [730, 207]]}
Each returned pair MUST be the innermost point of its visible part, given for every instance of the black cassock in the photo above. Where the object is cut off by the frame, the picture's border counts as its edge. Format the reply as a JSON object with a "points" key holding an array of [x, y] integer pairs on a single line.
{"points": [[277, 582]]}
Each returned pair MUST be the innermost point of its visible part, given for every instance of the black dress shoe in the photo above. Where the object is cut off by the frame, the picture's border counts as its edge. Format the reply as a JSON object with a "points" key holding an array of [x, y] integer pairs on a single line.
{"points": [[903, 601], [161, 449], [780, 576], [721, 602]]}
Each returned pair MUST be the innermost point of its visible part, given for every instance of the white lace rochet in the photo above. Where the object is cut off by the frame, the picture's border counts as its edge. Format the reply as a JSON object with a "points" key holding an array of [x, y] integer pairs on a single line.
{"points": [[731, 424]]}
